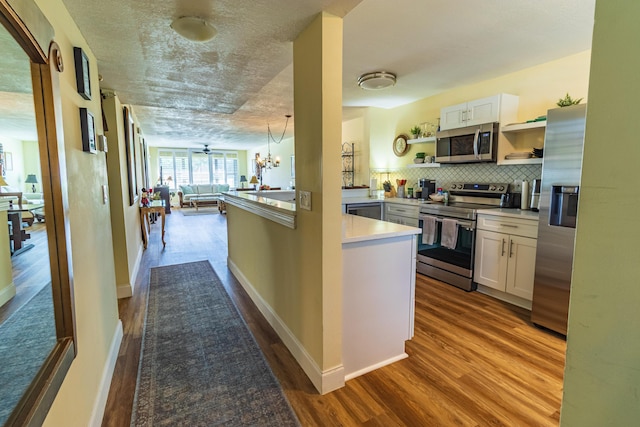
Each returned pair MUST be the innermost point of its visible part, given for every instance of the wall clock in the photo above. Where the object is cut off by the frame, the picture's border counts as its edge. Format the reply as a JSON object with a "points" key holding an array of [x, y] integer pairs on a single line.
{"points": [[400, 145]]}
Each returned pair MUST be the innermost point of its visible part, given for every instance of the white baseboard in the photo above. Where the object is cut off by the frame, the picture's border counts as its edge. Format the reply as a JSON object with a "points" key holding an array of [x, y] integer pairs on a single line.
{"points": [[125, 290], [324, 382], [503, 296], [7, 293], [107, 373], [376, 366]]}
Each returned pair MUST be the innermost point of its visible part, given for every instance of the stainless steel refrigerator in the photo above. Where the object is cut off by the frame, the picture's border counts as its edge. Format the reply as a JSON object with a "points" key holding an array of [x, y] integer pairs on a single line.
{"points": [[559, 193]]}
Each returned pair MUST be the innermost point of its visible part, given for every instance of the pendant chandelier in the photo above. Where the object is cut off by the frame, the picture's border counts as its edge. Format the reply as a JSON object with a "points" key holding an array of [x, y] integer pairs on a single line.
{"points": [[269, 162]]}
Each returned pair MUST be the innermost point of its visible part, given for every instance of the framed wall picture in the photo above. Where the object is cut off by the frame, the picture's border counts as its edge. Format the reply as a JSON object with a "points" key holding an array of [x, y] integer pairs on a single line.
{"points": [[83, 80], [88, 131], [8, 161], [130, 135], [293, 167]]}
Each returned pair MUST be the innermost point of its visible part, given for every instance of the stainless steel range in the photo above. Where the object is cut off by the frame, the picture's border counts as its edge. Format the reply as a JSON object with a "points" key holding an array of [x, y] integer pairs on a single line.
{"points": [[447, 245]]}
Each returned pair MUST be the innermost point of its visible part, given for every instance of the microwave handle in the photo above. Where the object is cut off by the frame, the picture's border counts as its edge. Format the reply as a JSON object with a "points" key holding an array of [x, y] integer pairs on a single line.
{"points": [[475, 143]]}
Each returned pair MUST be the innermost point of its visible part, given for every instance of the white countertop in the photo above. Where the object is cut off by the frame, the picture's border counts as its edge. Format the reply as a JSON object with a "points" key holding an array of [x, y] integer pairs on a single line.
{"points": [[264, 199], [360, 229], [349, 200], [511, 213], [279, 211]]}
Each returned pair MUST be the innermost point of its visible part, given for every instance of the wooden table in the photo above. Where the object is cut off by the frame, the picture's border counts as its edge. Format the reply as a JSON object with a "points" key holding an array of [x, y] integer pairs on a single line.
{"points": [[204, 200], [222, 206], [17, 235], [156, 206]]}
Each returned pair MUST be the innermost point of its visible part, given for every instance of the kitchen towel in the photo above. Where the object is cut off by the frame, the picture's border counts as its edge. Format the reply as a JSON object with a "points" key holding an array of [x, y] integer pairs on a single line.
{"points": [[449, 233], [428, 229]]}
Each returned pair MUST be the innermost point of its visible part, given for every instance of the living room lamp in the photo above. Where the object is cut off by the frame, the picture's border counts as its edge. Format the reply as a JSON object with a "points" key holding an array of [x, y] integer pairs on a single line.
{"points": [[31, 179], [3, 183], [254, 181], [243, 179]]}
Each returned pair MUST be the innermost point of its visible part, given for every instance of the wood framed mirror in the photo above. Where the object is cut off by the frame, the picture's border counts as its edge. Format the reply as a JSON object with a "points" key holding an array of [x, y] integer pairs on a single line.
{"points": [[37, 396]]}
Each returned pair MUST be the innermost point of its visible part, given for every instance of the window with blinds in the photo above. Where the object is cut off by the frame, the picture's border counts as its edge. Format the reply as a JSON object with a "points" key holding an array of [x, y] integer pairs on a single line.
{"points": [[174, 164], [186, 167]]}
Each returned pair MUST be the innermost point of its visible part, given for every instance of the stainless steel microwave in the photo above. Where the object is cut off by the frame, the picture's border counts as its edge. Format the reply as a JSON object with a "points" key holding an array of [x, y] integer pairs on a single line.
{"points": [[467, 145]]}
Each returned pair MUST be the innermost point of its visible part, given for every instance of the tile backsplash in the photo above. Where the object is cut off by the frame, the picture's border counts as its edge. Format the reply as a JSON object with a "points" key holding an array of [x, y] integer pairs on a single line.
{"points": [[473, 172]]}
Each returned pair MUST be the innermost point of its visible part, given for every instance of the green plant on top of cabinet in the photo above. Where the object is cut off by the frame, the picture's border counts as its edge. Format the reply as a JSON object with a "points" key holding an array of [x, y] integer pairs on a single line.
{"points": [[505, 258]]}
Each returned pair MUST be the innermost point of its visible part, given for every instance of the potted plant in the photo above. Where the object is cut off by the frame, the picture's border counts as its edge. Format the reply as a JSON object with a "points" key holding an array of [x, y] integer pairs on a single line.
{"points": [[416, 131], [568, 101]]}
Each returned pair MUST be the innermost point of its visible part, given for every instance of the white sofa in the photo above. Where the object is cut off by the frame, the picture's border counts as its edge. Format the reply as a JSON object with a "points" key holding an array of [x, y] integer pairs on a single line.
{"points": [[22, 200], [188, 192]]}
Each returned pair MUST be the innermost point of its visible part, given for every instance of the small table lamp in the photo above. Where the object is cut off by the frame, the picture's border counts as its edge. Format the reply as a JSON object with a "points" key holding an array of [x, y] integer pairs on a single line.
{"points": [[31, 179], [243, 179], [3, 183], [254, 181]]}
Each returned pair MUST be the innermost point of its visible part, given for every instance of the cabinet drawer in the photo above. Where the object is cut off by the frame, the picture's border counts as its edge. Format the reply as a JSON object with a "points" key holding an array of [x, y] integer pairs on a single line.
{"points": [[403, 220], [404, 210], [517, 227]]}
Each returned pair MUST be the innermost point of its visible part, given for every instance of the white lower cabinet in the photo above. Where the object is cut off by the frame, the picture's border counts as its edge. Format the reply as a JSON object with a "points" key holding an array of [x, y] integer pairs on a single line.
{"points": [[401, 214], [505, 257]]}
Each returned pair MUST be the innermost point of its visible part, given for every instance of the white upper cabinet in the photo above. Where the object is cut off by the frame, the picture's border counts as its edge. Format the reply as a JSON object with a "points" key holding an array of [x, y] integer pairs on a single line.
{"points": [[453, 117], [486, 110]]}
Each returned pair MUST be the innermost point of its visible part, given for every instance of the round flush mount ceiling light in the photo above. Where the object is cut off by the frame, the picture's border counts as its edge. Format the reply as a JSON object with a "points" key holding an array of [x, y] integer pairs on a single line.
{"points": [[377, 80], [193, 28]]}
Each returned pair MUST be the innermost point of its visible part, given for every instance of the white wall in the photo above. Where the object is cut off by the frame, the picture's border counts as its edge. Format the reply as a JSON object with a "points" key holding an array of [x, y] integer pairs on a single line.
{"points": [[275, 177]]}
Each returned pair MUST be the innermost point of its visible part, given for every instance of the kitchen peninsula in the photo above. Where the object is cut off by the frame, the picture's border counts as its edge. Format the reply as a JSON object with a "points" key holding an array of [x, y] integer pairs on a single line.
{"points": [[378, 278]]}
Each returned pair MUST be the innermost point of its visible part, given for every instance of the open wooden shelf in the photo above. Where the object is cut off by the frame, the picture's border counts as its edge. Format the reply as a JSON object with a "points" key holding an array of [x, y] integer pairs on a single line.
{"points": [[522, 127], [422, 140]]}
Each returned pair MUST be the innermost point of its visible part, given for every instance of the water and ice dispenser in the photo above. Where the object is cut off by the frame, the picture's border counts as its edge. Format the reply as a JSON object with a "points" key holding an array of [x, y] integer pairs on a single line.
{"points": [[563, 210]]}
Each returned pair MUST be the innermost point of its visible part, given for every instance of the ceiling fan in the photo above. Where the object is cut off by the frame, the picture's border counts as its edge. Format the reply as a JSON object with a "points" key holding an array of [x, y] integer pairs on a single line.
{"points": [[205, 150]]}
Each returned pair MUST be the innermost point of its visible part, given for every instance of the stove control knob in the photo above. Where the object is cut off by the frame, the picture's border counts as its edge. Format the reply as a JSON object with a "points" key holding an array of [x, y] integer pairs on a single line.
{"points": [[492, 188], [501, 188]]}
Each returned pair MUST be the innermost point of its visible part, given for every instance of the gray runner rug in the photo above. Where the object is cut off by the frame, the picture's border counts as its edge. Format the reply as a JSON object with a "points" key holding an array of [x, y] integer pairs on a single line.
{"points": [[26, 339], [200, 365]]}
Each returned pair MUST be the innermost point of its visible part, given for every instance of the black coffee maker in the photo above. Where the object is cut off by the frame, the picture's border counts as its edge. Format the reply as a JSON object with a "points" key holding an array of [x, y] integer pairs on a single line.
{"points": [[426, 187], [510, 200]]}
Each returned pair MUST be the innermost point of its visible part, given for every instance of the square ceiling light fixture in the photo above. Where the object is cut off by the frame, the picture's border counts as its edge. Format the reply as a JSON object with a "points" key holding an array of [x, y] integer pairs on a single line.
{"points": [[376, 80], [193, 28]]}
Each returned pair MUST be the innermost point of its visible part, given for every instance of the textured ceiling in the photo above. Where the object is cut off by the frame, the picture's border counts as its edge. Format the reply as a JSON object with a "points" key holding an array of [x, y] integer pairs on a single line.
{"points": [[225, 91]]}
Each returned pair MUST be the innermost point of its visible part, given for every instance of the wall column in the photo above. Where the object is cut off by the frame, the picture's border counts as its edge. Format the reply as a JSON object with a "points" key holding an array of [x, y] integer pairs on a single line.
{"points": [[317, 69], [603, 351]]}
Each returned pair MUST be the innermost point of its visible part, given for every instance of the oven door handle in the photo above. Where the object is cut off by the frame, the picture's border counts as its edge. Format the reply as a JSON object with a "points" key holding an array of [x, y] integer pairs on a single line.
{"points": [[466, 224]]}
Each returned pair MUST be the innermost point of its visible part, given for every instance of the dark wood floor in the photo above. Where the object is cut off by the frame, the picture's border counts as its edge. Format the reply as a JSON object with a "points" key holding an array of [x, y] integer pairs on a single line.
{"points": [[474, 361]]}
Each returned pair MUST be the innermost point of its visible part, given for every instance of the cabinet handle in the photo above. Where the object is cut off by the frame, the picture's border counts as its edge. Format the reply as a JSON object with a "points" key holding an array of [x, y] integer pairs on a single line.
{"points": [[508, 225], [510, 248], [503, 242]]}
